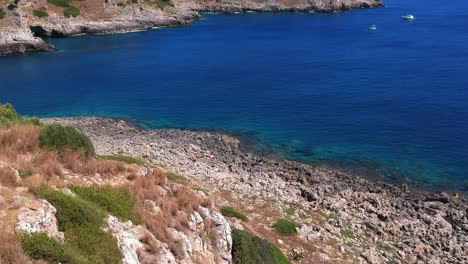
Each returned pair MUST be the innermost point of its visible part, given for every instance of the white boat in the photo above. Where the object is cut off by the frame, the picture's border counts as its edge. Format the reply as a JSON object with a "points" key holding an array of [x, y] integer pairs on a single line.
{"points": [[373, 27], [408, 17]]}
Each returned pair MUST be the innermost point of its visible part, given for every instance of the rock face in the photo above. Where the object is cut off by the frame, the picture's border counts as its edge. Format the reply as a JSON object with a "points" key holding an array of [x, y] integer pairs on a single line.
{"points": [[191, 245], [15, 40], [377, 222], [224, 239], [19, 32], [129, 238], [38, 216]]}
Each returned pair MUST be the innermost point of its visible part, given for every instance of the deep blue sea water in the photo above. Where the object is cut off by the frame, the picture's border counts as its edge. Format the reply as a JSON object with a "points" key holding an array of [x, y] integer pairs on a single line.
{"points": [[315, 87]]}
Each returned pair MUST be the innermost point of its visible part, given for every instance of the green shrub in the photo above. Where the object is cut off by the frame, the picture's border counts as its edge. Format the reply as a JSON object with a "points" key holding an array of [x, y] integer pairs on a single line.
{"points": [[231, 212], [286, 227], [24, 173], [177, 178], [60, 138], [93, 244], [200, 189], [249, 249], [9, 117], [118, 202], [2, 13], [41, 246], [12, 6], [347, 232], [71, 11], [122, 158], [163, 3], [72, 212], [81, 221], [40, 13], [62, 3]]}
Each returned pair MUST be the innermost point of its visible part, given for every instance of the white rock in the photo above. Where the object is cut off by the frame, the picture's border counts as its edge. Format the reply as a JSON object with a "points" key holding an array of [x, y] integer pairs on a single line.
{"points": [[38, 216]]}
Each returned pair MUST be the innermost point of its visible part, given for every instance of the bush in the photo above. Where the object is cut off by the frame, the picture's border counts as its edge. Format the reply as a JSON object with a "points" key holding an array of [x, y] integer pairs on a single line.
{"points": [[60, 138], [9, 116], [347, 232], [41, 246], [12, 6], [92, 244], [248, 249], [286, 227], [177, 178], [72, 211], [24, 174], [40, 13], [163, 3], [231, 212], [81, 222], [118, 202], [122, 158], [71, 11], [62, 3], [2, 13]]}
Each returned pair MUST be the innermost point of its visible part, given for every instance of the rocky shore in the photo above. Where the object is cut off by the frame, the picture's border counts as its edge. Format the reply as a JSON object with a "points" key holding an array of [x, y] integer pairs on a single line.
{"points": [[341, 215], [21, 40], [21, 29]]}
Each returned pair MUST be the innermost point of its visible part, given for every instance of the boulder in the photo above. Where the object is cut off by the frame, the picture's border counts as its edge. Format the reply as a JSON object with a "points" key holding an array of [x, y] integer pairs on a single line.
{"points": [[38, 216]]}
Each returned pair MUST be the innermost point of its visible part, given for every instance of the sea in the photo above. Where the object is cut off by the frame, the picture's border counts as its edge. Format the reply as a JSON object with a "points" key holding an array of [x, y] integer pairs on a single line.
{"points": [[323, 88]]}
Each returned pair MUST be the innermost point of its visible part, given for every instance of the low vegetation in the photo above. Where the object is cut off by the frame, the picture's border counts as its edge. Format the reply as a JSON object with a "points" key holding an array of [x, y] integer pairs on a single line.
{"points": [[347, 232], [156, 189], [81, 221], [118, 202], [62, 3], [41, 12], [249, 249], [71, 11], [231, 212], [286, 227], [177, 178], [12, 6], [61, 138], [41, 246], [10, 249], [123, 158], [2, 14], [9, 116]]}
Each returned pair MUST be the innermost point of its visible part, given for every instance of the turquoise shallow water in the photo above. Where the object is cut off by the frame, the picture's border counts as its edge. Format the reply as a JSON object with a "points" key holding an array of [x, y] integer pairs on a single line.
{"points": [[314, 87]]}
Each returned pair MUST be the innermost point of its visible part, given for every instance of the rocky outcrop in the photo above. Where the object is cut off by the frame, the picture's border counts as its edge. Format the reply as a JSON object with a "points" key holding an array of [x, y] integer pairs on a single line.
{"points": [[15, 40], [191, 246], [375, 221], [38, 216], [224, 238], [129, 238]]}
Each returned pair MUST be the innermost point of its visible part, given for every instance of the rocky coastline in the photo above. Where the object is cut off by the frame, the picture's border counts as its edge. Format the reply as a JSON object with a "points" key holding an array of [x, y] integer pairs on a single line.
{"points": [[21, 31], [372, 222]]}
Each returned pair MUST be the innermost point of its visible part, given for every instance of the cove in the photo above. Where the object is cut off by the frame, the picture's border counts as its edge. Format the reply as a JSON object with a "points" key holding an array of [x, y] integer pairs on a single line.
{"points": [[313, 87]]}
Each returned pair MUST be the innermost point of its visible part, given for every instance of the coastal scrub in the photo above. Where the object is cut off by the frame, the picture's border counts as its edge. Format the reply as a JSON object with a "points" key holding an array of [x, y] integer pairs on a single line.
{"points": [[249, 249], [231, 212], [9, 117], [61, 138], [80, 221], [124, 159], [286, 227]]}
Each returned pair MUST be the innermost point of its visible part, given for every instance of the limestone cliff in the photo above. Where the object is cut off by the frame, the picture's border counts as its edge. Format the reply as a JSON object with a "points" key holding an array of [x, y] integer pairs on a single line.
{"points": [[22, 21]]}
